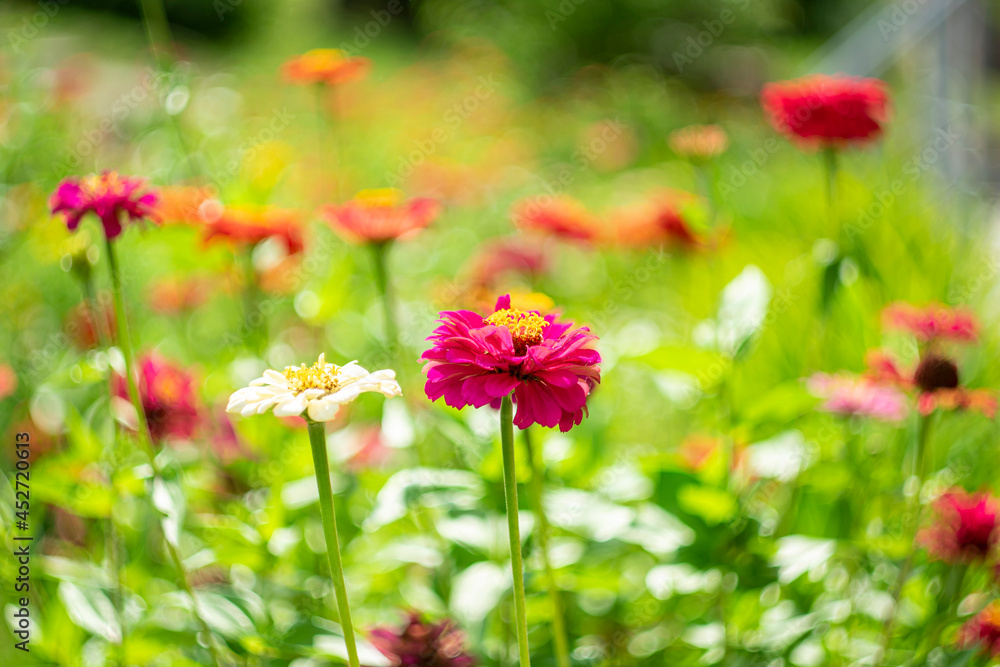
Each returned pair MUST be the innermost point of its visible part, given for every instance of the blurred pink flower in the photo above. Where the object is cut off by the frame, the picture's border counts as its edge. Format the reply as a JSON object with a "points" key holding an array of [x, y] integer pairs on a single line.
{"points": [[982, 631], [168, 398], [933, 322], [965, 527], [550, 367], [109, 196], [380, 216], [423, 644], [850, 395]]}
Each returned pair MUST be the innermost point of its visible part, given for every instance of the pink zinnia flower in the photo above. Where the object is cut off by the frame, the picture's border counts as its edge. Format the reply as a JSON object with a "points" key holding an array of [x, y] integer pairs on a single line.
{"points": [[422, 644], [849, 395], [380, 216], [827, 111], [549, 367], [965, 529], [983, 631], [168, 398], [933, 322], [109, 196]]}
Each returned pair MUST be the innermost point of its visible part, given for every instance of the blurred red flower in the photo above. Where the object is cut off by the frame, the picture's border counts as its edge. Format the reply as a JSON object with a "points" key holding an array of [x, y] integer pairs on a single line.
{"points": [[965, 527], [109, 196], [8, 381], [85, 330], [249, 225], [933, 322], [827, 111], [423, 644], [660, 218], [936, 381], [326, 66], [561, 216], [983, 631], [380, 216], [497, 260], [168, 396]]}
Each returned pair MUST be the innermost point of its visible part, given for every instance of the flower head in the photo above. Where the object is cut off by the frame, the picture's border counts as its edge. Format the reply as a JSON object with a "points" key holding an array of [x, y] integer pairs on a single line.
{"points": [[699, 142], [849, 395], [983, 631], [315, 391], [380, 216], [934, 322], [169, 398], [562, 217], [827, 111], [660, 218], [248, 225], [965, 529], [549, 367], [326, 66], [111, 197], [500, 259], [8, 381], [423, 644], [935, 380]]}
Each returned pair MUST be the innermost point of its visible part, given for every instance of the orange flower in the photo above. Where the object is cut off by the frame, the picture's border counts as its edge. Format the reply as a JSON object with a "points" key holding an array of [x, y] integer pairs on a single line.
{"points": [[326, 66], [699, 142], [562, 216], [248, 225], [181, 203], [174, 296], [380, 216], [659, 219], [8, 381]]}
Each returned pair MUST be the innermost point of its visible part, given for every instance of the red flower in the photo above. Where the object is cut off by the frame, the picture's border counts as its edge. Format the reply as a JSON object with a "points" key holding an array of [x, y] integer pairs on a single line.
{"points": [[380, 216], [248, 225], [421, 644], [933, 322], [85, 330], [326, 66], [168, 398], [109, 196], [8, 381], [966, 527], [562, 217], [983, 631], [550, 367], [827, 111]]}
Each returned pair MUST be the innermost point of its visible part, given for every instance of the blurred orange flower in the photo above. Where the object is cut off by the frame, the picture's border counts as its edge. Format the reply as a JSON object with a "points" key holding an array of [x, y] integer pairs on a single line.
{"points": [[699, 142], [660, 218], [561, 216], [173, 296], [326, 66], [380, 216], [181, 203], [8, 381], [249, 225]]}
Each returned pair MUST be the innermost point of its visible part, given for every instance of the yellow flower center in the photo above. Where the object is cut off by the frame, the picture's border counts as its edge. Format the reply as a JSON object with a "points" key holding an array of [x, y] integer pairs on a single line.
{"points": [[525, 328], [318, 376], [379, 197], [96, 185]]}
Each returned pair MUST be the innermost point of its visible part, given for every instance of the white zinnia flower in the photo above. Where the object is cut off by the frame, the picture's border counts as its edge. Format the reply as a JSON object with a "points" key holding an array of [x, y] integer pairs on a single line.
{"points": [[318, 390]]}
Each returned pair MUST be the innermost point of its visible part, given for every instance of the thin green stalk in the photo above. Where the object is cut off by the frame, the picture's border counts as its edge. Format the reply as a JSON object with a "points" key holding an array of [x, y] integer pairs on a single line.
{"points": [[920, 456], [558, 614], [379, 257], [317, 438], [830, 164], [125, 345], [513, 529]]}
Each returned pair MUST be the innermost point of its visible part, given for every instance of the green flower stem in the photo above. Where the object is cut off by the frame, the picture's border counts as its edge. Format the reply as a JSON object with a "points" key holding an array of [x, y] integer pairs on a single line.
{"points": [[558, 618], [920, 456], [317, 438], [513, 529], [380, 253], [125, 345], [830, 164]]}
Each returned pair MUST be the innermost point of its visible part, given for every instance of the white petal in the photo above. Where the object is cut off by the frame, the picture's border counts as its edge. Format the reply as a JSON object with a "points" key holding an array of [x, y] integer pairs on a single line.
{"points": [[291, 408], [323, 409]]}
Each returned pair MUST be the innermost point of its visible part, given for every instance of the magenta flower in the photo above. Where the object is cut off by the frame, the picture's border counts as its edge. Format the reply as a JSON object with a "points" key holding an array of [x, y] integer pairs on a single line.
{"points": [[420, 644], [109, 196], [848, 395], [550, 367], [933, 322], [965, 529], [169, 398]]}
